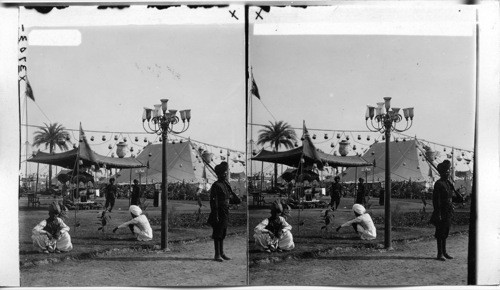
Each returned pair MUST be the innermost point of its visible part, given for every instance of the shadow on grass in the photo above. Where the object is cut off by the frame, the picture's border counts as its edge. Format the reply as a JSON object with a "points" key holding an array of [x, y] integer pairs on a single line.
{"points": [[369, 258], [151, 259]]}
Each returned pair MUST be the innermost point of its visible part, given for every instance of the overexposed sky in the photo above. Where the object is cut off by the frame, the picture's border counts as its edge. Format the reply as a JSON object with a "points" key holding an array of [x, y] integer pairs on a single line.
{"points": [[326, 65], [115, 70]]}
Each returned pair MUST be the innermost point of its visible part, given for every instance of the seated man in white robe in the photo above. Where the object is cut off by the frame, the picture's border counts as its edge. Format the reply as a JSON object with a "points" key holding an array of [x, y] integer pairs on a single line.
{"points": [[51, 235], [138, 225], [274, 233], [362, 224]]}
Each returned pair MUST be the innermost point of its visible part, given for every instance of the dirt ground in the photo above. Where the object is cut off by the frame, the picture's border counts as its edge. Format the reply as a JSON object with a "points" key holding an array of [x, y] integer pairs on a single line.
{"points": [[408, 264], [185, 265]]}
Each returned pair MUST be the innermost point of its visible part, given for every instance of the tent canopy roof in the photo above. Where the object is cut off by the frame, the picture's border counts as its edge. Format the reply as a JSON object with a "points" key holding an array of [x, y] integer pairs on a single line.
{"points": [[292, 158]]}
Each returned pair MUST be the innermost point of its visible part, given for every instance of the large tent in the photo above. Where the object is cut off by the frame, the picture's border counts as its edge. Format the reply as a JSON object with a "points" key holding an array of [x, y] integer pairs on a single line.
{"points": [[184, 164], [408, 161]]}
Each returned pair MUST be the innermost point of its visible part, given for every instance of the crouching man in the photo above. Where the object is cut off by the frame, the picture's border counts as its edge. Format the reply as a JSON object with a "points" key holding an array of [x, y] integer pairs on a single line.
{"points": [[362, 224]]}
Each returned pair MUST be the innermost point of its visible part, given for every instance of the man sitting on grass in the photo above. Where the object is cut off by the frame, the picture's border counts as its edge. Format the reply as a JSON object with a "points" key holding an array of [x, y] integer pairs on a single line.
{"points": [[138, 225], [51, 235], [273, 233], [362, 224]]}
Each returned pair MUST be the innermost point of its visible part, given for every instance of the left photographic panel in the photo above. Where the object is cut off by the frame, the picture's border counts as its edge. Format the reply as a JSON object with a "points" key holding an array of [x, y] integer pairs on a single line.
{"points": [[132, 145]]}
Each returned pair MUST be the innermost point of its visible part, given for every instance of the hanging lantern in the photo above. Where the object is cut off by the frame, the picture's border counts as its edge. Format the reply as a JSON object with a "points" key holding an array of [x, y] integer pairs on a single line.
{"points": [[354, 147], [338, 135], [459, 158], [463, 154], [136, 139], [110, 147], [444, 149], [343, 148], [145, 140], [131, 149], [180, 141], [103, 138], [239, 155], [404, 139], [91, 138], [332, 145], [314, 136], [368, 138], [396, 139], [152, 155], [121, 149], [255, 153], [160, 139], [116, 137], [302, 138], [326, 136], [347, 138], [359, 137], [124, 139], [296, 144], [383, 137], [221, 151], [67, 138], [373, 153]]}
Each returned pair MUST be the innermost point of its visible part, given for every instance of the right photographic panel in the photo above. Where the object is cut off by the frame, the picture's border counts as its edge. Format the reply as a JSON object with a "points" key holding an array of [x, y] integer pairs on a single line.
{"points": [[361, 124]]}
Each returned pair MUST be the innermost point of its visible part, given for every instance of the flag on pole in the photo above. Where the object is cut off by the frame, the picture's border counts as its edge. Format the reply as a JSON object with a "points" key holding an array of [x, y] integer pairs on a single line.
{"points": [[255, 89], [29, 90]]}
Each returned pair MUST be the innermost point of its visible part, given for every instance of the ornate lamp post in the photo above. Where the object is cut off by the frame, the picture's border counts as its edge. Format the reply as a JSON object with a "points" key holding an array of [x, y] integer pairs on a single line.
{"points": [[386, 120], [161, 121]]}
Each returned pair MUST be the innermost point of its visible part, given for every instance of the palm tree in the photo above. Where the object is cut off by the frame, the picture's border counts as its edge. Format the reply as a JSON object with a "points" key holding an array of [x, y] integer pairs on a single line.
{"points": [[277, 134], [51, 135]]}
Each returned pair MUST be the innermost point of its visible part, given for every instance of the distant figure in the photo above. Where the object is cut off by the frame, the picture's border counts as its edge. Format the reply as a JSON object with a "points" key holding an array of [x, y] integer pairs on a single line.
{"points": [[51, 235], [220, 195], [443, 208], [381, 196], [136, 194], [138, 225], [274, 233], [362, 224], [111, 191], [360, 195], [335, 193]]}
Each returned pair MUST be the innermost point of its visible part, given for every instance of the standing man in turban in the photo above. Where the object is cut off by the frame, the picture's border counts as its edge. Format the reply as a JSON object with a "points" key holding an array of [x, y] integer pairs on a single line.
{"points": [[51, 235], [220, 195], [443, 208]]}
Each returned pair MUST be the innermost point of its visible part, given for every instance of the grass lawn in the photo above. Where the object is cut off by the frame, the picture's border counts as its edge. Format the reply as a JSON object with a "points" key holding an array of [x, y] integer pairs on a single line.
{"points": [[87, 240], [408, 222]]}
